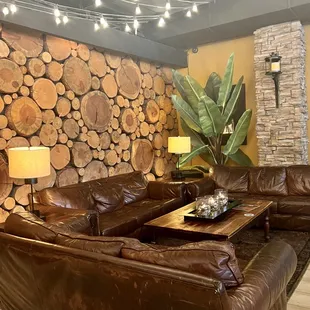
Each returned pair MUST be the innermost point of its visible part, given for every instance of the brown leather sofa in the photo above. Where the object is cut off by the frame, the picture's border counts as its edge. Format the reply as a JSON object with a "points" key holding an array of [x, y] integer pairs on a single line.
{"points": [[48, 267], [287, 187], [124, 202]]}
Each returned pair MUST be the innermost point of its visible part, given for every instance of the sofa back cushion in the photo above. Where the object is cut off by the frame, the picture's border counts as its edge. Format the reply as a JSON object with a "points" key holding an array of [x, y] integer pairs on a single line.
{"points": [[216, 260], [108, 197], [76, 196], [233, 179], [298, 180], [268, 181], [134, 185], [102, 245], [27, 225]]}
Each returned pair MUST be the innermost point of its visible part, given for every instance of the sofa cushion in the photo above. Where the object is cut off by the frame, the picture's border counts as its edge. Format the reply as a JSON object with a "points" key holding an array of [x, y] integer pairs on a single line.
{"points": [[76, 196], [103, 245], [294, 205], [298, 180], [233, 179], [268, 181], [216, 260], [27, 225], [108, 198]]}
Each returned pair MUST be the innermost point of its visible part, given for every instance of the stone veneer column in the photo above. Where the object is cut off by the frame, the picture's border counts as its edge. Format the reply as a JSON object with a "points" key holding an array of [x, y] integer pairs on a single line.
{"points": [[281, 133]]}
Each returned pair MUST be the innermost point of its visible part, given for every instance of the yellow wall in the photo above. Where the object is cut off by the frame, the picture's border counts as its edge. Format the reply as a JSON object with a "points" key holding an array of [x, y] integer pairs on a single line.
{"points": [[213, 58]]}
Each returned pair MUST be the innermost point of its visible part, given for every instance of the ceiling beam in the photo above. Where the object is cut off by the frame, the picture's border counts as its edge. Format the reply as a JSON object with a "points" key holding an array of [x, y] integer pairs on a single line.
{"points": [[109, 39]]}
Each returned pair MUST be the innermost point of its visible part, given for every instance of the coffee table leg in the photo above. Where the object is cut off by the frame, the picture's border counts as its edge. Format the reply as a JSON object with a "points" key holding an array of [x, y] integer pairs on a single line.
{"points": [[267, 226]]}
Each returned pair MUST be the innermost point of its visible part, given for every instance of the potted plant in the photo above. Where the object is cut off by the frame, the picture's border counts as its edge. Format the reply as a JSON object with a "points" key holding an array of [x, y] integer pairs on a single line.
{"points": [[206, 112]]}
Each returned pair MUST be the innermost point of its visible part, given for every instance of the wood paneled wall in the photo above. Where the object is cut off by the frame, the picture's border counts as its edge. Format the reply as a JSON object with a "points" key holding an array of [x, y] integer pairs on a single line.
{"points": [[100, 114]]}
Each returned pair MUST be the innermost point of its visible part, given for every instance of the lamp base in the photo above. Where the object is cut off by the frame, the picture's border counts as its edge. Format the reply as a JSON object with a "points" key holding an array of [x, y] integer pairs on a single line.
{"points": [[177, 175]]}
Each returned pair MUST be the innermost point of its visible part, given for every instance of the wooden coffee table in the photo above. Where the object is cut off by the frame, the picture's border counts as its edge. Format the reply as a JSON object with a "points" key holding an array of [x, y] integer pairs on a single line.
{"points": [[224, 227]]}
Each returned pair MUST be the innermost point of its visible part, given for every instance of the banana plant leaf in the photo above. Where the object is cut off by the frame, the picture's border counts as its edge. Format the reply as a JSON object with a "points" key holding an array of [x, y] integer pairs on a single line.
{"points": [[231, 105], [178, 80], [213, 85], [194, 92], [241, 158], [186, 113], [201, 168], [197, 151], [225, 89], [196, 140], [210, 117], [208, 158], [237, 137]]}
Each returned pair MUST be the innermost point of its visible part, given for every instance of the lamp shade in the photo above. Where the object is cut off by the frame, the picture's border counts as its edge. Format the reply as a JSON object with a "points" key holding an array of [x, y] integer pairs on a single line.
{"points": [[29, 162], [179, 145]]}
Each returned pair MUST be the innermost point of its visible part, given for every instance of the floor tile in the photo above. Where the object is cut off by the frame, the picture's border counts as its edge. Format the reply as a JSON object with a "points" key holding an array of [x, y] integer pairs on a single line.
{"points": [[300, 299], [293, 307]]}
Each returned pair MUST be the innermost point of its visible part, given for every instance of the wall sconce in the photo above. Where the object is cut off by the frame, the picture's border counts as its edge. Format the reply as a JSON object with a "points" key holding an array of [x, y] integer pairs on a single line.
{"points": [[273, 68]]}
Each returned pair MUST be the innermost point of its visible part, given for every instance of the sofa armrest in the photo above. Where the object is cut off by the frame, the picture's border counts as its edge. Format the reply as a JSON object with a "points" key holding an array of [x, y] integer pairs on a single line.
{"points": [[265, 278], [77, 220], [165, 190], [198, 188]]}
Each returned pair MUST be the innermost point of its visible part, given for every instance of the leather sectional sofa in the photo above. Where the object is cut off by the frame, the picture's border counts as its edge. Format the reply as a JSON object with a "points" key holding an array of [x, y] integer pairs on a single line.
{"points": [[287, 187], [47, 266], [124, 202]]}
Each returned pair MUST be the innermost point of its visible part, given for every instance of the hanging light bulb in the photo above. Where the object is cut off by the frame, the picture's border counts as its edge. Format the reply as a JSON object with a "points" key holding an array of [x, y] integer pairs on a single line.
{"points": [[5, 11], [13, 8], [96, 26], [168, 5], [98, 3], [161, 22], [138, 10], [189, 13], [103, 22], [195, 8], [135, 24], [65, 19], [127, 28], [56, 12], [167, 14], [57, 20]]}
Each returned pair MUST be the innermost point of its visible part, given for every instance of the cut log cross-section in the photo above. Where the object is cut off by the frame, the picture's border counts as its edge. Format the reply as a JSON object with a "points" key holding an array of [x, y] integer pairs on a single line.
{"points": [[60, 156], [18, 57], [22, 194], [36, 67], [71, 128], [159, 85], [152, 111], [46, 182], [24, 116], [129, 121], [6, 183], [4, 50], [81, 154], [30, 43], [105, 141], [142, 155], [97, 64], [66, 177], [122, 168], [76, 76], [83, 52], [48, 135], [11, 77], [96, 111], [60, 49], [54, 71], [113, 61], [159, 167], [109, 86], [95, 170], [44, 93], [63, 107], [128, 78]]}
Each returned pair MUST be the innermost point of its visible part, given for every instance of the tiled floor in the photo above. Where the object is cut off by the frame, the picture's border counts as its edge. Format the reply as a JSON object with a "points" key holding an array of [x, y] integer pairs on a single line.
{"points": [[300, 299]]}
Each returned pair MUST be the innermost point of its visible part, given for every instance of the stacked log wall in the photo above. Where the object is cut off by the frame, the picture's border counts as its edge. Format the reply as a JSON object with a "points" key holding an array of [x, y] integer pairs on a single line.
{"points": [[100, 114]]}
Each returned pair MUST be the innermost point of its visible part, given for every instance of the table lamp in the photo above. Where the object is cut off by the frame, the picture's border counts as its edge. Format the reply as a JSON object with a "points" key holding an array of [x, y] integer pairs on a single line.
{"points": [[179, 146], [29, 163]]}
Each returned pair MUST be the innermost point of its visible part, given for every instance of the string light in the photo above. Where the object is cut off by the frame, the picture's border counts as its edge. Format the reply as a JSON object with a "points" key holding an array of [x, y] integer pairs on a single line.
{"points": [[167, 14], [127, 28], [168, 5], [135, 24], [5, 11], [96, 26], [189, 13], [98, 3], [56, 12], [138, 10], [57, 20], [13, 8], [195, 8], [161, 22], [65, 19], [103, 22]]}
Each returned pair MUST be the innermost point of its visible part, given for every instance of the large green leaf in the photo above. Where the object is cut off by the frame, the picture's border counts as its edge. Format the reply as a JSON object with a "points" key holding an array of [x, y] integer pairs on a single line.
{"points": [[195, 152], [241, 159], [186, 113], [196, 140], [210, 117], [213, 86], [238, 136], [231, 105], [178, 80], [225, 88], [194, 92], [209, 158]]}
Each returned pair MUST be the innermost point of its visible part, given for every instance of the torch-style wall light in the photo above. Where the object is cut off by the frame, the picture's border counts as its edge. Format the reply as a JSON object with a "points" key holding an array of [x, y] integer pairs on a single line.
{"points": [[273, 68]]}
